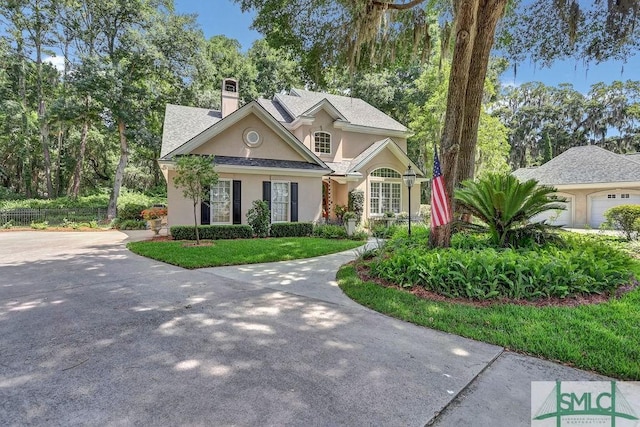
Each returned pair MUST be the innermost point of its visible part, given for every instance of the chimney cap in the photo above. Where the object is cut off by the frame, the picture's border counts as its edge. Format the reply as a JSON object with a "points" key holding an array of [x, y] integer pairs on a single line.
{"points": [[230, 85]]}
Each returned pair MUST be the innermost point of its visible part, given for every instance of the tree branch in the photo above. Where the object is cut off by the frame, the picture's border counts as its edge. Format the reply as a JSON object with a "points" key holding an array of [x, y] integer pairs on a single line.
{"points": [[401, 6]]}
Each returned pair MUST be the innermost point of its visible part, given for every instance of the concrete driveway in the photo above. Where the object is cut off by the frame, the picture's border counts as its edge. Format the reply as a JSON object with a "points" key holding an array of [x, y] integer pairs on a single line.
{"points": [[91, 334]]}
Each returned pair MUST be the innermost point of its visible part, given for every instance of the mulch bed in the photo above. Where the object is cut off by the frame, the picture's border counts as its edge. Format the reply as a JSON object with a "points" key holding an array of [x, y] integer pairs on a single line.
{"points": [[363, 273]]}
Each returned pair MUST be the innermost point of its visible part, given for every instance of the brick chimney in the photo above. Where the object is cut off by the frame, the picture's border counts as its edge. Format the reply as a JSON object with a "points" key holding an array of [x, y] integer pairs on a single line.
{"points": [[230, 97]]}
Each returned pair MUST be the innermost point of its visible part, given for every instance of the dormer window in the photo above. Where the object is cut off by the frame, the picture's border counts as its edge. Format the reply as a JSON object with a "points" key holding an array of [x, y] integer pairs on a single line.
{"points": [[322, 142]]}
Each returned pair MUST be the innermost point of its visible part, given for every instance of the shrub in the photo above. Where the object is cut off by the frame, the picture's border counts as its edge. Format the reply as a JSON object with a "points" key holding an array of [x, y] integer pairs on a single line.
{"points": [[625, 218], [330, 231], [40, 225], [356, 204], [585, 265], [291, 229], [384, 232], [340, 210], [7, 225], [131, 224], [506, 206], [259, 218], [349, 215], [131, 211], [212, 232]]}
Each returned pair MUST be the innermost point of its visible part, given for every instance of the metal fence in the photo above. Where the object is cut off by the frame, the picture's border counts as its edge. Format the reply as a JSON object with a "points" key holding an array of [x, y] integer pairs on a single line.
{"points": [[24, 217]]}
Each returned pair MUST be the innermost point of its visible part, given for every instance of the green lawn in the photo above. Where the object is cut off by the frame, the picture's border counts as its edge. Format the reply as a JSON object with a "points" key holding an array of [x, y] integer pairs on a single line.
{"points": [[241, 251], [602, 337]]}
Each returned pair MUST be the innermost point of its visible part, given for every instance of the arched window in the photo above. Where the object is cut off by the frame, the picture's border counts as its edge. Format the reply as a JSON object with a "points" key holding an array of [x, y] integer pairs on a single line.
{"points": [[385, 187], [385, 173], [322, 142]]}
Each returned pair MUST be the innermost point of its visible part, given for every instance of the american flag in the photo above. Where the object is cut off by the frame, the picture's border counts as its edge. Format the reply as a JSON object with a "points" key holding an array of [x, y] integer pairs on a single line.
{"points": [[440, 213]]}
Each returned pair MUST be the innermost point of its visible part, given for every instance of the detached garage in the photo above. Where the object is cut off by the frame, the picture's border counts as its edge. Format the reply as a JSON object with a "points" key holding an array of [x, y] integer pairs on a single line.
{"points": [[592, 180], [559, 217], [600, 203]]}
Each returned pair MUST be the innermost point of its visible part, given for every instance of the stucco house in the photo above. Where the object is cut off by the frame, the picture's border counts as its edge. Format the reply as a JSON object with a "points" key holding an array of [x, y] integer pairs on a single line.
{"points": [[302, 152], [592, 180]]}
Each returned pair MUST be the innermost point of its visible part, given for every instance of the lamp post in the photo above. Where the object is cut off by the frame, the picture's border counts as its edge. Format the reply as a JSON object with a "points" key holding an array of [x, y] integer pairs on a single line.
{"points": [[409, 179]]}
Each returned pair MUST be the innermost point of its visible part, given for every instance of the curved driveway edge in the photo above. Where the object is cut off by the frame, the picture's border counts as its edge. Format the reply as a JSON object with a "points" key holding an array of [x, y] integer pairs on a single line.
{"points": [[93, 334]]}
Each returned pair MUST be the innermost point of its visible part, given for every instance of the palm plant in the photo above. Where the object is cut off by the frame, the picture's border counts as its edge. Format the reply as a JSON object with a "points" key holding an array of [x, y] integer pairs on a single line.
{"points": [[506, 207]]}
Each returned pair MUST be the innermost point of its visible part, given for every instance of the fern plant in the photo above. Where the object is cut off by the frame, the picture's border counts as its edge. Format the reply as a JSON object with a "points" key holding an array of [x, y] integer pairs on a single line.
{"points": [[506, 207]]}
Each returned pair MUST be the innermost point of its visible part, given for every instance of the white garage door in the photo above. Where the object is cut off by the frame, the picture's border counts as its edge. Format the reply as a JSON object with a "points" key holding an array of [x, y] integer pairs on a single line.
{"points": [[600, 204], [556, 217]]}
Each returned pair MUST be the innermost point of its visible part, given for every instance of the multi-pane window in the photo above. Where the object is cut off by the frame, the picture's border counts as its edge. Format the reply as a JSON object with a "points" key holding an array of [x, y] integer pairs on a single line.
{"points": [[280, 197], [221, 202], [385, 173], [384, 191], [611, 196], [624, 196], [322, 142]]}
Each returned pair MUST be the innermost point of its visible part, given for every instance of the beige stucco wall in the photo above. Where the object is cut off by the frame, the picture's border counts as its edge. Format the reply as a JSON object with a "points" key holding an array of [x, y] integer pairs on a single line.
{"points": [[230, 142], [386, 159], [309, 197], [345, 145]]}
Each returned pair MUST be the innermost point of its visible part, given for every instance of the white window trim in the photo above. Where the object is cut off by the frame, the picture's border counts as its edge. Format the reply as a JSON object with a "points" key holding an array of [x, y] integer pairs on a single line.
{"points": [[288, 210], [373, 179], [230, 203], [330, 143]]}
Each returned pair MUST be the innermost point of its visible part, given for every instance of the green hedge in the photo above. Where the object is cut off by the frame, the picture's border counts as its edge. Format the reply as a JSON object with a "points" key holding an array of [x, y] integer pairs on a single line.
{"points": [[212, 232], [291, 229]]}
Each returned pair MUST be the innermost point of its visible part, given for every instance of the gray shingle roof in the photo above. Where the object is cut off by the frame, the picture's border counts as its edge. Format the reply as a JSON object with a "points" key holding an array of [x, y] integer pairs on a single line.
{"points": [[276, 110], [355, 110], [584, 165], [633, 156], [183, 123], [266, 163], [349, 166]]}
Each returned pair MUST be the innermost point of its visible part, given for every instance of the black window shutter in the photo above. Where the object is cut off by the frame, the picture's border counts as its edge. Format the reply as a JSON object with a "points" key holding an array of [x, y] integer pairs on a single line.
{"points": [[205, 214], [266, 192], [294, 202], [237, 197]]}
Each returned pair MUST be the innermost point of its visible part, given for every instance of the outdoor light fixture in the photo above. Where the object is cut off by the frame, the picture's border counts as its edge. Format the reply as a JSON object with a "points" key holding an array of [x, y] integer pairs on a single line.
{"points": [[409, 179]]}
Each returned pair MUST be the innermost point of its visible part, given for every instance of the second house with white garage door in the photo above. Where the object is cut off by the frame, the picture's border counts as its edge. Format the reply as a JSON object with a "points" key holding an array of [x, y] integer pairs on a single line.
{"points": [[592, 180]]}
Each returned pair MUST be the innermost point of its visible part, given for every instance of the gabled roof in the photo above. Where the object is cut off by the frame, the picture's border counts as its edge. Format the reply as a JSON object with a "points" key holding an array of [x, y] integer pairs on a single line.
{"points": [[353, 167], [183, 123], [355, 111], [175, 144], [584, 165]]}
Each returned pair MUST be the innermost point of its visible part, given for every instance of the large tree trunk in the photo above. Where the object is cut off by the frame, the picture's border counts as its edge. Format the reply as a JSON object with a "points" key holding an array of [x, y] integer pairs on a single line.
{"points": [[74, 191], [489, 13], [44, 127], [122, 164], [466, 11]]}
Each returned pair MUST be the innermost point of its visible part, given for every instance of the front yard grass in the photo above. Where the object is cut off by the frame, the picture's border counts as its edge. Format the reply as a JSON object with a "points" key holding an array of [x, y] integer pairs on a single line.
{"points": [[603, 337], [241, 251]]}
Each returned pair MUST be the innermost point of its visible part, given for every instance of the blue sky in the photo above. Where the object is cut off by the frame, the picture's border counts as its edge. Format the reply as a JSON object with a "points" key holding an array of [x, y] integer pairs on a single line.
{"points": [[227, 18]]}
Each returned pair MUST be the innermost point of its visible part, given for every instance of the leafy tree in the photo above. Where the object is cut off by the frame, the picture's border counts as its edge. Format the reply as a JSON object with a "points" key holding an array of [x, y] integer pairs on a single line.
{"points": [[365, 33], [506, 207], [222, 58], [195, 175], [276, 69], [544, 121]]}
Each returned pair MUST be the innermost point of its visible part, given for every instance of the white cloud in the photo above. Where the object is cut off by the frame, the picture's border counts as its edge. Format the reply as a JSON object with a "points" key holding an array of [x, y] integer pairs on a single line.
{"points": [[56, 61], [510, 83]]}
